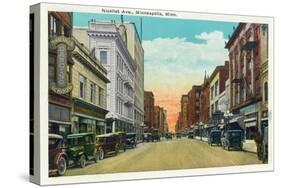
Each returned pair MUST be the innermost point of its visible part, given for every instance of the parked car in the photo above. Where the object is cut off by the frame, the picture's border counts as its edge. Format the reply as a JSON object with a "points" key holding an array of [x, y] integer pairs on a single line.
{"points": [[131, 140], [169, 136], [214, 137], [122, 141], [178, 134], [147, 137], [232, 139], [190, 134], [107, 144], [155, 135], [81, 147], [58, 159]]}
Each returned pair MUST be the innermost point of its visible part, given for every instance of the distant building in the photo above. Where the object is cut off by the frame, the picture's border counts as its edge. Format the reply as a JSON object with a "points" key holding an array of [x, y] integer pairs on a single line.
{"points": [[184, 102], [148, 110], [194, 105], [205, 101]]}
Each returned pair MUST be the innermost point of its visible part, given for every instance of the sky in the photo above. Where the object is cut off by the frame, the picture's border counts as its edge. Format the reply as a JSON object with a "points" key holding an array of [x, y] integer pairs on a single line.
{"points": [[177, 52]]}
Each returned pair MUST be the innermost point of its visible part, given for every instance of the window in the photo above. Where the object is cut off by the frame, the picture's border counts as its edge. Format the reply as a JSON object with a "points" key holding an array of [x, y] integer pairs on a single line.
{"points": [[101, 94], [92, 92], [103, 57], [66, 31], [82, 80], [54, 26], [216, 88], [265, 91], [212, 92]]}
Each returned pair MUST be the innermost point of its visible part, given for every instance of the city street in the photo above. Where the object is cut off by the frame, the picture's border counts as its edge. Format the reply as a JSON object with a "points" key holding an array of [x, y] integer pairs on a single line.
{"points": [[167, 155]]}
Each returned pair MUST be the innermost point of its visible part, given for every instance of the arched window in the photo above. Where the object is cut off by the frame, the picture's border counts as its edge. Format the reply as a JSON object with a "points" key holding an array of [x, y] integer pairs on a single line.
{"points": [[265, 88]]}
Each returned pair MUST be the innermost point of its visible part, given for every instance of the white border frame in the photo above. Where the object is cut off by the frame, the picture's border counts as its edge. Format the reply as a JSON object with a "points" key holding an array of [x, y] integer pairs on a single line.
{"points": [[44, 179]]}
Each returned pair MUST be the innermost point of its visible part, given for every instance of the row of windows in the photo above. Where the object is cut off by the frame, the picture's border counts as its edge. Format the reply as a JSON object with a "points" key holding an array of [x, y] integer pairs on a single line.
{"points": [[57, 28], [214, 90], [122, 67], [96, 93]]}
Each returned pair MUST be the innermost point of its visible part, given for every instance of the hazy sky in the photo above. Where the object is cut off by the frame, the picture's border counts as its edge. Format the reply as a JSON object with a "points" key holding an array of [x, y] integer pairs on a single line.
{"points": [[176, 53]]}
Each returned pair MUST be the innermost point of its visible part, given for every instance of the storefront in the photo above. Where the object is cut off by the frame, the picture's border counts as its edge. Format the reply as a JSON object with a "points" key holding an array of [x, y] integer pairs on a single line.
{"points": [[251, 120], [59, 120], [88, 118]]}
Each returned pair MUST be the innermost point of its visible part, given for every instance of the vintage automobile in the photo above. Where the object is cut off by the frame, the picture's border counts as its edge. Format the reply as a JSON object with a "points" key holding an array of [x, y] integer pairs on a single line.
{"points": [[190, 134], [155, 135], [178, 134], [169, 136], [214, 137], [81, 147], [232, 139], [147, 137], [131, 140], [107, 144], [122, 145], [58, 159]]}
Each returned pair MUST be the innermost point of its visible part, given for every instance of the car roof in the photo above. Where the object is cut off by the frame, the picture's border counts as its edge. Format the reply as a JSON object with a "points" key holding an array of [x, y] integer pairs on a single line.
{"points": [[106, 135], [55, 136], [77, 135]]}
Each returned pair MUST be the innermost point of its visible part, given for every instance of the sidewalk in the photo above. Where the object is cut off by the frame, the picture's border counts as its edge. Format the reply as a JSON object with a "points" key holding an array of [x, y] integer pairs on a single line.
{"points": [[248, 145]]}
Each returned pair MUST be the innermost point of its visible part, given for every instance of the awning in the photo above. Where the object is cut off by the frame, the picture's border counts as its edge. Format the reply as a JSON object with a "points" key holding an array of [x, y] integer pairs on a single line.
{"points": [[60, 122], [251, 124], [250, 119], [236, 119]]}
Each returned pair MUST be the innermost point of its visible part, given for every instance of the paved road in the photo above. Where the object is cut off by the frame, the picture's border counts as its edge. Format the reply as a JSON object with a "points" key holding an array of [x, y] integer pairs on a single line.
{"points": [[167, 155]]}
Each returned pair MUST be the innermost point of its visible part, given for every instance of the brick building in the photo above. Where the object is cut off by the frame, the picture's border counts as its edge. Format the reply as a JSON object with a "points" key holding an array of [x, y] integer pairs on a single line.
{"points": [[184, 101], [217, 87], [193, 106], [60, 66], [148, 110], [244, 71], [205, 101]]}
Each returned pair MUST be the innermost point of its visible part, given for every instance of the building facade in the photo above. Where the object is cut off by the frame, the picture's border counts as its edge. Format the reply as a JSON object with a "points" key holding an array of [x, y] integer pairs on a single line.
{"points": [[136, 50], [245, 76], [60, 65], [109, 43], [90, 81], [193, 110], [205, 101], [184, 101], [148, 110], [217, 88]]}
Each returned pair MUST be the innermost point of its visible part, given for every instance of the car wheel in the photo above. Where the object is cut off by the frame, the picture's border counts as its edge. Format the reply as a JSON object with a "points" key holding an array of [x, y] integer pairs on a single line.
{"points": [[82, 161], [101, 154], [61, 166]]}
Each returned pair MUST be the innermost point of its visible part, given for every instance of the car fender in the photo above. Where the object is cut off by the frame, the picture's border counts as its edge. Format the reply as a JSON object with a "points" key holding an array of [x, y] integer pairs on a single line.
{"points": [[56, 160]]}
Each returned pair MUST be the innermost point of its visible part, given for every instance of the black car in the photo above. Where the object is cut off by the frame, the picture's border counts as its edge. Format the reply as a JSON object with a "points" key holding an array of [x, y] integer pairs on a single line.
{"points": [[232, 139], [214, 137], [131, 140], [169, 136], [155, 135], [190, 134]]}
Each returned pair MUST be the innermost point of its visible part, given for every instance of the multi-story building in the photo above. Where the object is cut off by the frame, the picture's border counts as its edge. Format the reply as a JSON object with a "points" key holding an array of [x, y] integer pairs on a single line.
{"points": [[205, 101], [193, 110], [89, 79], [166, 125], [264, 75], [148, 110], [217, 88], [60, 65], [184, 100], [136, 50], [179, 126], [157, 117], [245, 76], [109, 43]]}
